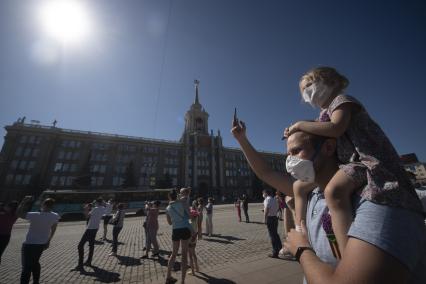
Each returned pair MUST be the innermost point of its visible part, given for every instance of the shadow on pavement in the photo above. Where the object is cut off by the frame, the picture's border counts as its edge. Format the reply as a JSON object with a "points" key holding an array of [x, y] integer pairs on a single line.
{"points": [[228, 238], [128, 261], [102, 275], [210, 279], [217, 241]]}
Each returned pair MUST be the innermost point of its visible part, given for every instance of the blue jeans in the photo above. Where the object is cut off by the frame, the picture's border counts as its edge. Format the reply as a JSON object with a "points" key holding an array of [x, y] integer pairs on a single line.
{"points": [[272, 224]]}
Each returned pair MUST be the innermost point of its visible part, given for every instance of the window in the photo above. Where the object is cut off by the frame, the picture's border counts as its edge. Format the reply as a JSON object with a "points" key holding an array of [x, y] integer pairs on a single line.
{"points": [[58, 167], [152, 181], [73, 168], [22, 165], [35, 153], [23, 139], [26, 179], [14, 164], [76, 156], [27, 152], [19, 151], [61, 155], [18, 179], [97, 181]]}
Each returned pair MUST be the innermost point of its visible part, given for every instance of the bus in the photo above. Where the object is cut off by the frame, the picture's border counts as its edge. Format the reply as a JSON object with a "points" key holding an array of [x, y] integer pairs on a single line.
{"points": [[69, 204]]}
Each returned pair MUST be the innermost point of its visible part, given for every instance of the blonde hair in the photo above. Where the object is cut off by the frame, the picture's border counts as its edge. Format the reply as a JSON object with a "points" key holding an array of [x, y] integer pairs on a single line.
{"points": [[328, 75]]}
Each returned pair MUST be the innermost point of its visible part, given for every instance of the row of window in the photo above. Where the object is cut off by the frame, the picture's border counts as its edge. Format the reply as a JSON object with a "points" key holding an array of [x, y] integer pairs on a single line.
{"points": [[30, 139], [65, 167], [18, 179], [68, 155], [27, 152], [22, 165], [71, 144], [233, 173], [170, 171]]}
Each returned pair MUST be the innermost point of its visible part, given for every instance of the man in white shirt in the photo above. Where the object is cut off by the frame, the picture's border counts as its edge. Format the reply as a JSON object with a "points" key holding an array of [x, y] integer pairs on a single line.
{"points": [[89, 235], [270, 206], [42, 228], [107, 217]]}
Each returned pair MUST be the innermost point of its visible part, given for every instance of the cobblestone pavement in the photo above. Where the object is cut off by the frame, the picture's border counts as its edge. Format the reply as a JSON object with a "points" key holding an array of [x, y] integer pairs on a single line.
{"points": [[232, 243]]}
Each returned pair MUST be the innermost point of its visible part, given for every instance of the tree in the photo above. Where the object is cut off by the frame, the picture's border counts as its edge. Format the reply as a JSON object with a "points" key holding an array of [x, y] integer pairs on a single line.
{"points": [[84, 179], [129, 176]]}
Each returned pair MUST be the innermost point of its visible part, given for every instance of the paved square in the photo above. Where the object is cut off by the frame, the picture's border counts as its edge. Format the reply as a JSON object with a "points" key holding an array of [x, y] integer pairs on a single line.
{"points": [[237, 253]]}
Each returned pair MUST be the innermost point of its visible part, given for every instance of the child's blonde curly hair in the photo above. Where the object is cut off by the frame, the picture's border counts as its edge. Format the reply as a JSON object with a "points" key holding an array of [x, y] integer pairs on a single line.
{"points": [[328, 75]]}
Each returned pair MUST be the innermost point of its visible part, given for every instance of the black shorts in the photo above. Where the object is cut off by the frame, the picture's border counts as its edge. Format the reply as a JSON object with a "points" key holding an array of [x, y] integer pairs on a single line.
{"points": [[181, 234], [106, 219]]}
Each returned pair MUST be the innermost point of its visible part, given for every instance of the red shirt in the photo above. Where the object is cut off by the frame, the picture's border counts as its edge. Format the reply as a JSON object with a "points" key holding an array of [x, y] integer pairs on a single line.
{"points": [[6, 223]]}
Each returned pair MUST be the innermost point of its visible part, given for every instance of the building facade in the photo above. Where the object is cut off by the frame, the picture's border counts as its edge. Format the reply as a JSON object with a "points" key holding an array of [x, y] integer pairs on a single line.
{"points": [[416, 168], [35, 157]]}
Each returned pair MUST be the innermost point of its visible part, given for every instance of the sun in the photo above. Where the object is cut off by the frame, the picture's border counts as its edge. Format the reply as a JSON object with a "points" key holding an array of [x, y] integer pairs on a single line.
{"points": [[67, 21]]}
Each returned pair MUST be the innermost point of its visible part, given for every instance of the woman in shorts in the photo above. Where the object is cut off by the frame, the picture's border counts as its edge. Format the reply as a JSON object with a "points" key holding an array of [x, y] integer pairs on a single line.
{"points": [[178, 216]]}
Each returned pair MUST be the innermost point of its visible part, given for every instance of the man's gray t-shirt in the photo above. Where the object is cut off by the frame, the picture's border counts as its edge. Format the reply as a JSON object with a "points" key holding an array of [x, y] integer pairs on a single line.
{"points": [[399, 232]]}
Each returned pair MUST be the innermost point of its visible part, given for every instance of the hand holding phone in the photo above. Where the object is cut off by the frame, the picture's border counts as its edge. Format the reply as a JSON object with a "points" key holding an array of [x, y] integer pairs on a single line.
{"points": [[235, 120]]}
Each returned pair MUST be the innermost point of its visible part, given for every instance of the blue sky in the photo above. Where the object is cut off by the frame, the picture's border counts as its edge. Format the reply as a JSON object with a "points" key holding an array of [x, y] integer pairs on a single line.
{"points": [[134, 76]]}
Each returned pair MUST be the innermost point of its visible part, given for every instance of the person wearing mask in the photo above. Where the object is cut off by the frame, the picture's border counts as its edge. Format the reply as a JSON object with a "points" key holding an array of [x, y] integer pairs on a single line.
{"points": [[152, 229], [40, 233], [95, 216], [378, 250], [270, 209], [117, 222], [8, 217], [177, 214]]}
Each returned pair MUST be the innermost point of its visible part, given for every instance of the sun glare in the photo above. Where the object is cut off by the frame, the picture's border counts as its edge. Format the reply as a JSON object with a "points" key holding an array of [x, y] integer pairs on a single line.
{"points": [[67, 21]]}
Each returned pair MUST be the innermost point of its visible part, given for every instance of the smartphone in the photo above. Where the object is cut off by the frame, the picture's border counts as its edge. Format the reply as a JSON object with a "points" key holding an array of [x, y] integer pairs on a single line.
{"points": [[235, 121]]}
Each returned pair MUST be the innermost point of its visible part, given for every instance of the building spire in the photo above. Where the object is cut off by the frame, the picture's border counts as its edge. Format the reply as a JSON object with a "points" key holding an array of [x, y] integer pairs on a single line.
{"points": [[196, 83]]}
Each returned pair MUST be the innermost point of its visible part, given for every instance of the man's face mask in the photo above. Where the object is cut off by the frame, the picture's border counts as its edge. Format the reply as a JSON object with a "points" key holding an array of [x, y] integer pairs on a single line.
{"points": [[317, 94], [302, 169]]}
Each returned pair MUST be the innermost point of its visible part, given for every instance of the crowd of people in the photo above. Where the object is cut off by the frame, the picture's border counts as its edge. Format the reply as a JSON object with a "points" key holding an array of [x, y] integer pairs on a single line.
{"points": [[350, 213]]}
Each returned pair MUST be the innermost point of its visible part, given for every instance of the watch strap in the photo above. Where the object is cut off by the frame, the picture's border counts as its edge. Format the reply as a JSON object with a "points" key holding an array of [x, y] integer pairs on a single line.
{"points": [[300, 250]]}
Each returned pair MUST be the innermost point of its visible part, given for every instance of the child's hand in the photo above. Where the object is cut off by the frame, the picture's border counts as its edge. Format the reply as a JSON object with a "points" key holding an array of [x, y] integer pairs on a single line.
{"points": [[292, 129]]}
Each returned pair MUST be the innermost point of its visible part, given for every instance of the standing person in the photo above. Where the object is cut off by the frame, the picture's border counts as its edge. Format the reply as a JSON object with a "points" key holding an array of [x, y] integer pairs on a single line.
{"points": [[368, 158], [185, 194], [95, 216], [237, 205], [193, 260], [117, 222], [178, 216], [270, 209], [209, 217], [42, 228], [8, 217], [107, 217], [87, 208], [245, 207], [152, 229], [200, 217], [148, 205]]}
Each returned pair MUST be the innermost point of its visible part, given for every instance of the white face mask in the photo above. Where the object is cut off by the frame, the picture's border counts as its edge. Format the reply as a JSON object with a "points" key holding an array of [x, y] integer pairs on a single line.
{"points": [[300, 169], [317, 94]]}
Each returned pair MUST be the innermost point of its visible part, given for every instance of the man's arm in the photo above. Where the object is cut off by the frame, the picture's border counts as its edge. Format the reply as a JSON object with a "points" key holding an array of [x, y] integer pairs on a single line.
{"points": [[361, 263], [169, 220], [265, 213], [23, 207], [279, 180]]}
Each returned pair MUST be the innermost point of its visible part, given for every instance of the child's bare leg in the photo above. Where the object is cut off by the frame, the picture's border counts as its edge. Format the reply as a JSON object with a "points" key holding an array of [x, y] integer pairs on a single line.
{"points": [[338, 197], [191, 259], [301, 190], [195, 261]]}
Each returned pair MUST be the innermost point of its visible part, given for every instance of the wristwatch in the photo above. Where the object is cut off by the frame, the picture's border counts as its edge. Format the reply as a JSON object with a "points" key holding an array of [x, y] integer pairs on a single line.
{"points": [[300, 250]]}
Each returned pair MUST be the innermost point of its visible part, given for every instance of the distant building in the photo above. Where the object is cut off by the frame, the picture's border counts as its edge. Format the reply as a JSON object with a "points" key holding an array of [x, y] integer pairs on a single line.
{"points": [[416, 168], [35, 157]]}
